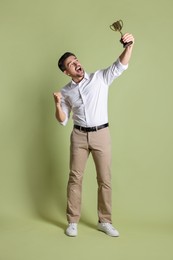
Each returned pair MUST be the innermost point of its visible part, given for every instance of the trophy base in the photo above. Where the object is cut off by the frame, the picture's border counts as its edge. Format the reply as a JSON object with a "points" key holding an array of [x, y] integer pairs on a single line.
{"points": [[126, 44]]}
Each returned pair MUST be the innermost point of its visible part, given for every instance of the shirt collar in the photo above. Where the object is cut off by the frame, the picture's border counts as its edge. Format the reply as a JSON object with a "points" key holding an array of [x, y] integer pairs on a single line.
{"points": [[86, 77]]}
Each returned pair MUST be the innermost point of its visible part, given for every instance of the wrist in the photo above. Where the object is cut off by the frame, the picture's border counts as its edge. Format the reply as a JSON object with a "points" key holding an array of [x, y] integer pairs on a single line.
{"points": [[58, 104]]}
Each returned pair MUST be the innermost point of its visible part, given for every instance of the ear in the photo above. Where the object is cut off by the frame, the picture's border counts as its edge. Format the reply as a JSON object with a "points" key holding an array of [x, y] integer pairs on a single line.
{"points": [[66, 73]]}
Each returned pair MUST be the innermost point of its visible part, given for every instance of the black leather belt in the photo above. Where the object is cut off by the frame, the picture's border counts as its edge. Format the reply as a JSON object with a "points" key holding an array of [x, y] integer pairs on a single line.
{"points": [[90, 129]]}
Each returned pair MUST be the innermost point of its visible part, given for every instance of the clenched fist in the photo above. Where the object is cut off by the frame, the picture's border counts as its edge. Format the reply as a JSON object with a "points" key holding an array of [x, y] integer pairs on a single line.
{"points": [[57, 97]]}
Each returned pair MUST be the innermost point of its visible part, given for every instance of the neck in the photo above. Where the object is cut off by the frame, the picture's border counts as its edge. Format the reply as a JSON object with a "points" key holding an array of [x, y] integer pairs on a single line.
{"points": [[77, 79]]}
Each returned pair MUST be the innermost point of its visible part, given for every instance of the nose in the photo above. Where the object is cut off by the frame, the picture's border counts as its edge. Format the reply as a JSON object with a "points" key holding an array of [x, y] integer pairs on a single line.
{"points": [[76, 63]]}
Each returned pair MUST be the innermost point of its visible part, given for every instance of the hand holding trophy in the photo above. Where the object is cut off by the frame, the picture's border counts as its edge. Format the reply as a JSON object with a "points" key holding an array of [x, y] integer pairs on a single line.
{"points": [[117, 26]]}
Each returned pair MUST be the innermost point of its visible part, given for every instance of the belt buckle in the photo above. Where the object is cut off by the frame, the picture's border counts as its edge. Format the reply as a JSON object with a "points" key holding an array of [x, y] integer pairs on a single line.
{"points": [[94, 129]]}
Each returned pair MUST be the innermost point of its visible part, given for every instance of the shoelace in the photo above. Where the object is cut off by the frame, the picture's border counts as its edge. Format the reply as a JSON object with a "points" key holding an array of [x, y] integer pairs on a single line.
{"points": [[109, 226], [72, 225]]}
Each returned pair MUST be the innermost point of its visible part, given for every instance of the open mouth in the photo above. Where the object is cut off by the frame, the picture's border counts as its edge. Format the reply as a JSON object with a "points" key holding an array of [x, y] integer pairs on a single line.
{"points": [[78, 69]]}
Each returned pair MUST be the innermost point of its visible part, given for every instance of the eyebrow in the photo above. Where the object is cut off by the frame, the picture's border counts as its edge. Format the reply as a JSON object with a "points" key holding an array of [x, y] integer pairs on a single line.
{"points": [[71, 61]]}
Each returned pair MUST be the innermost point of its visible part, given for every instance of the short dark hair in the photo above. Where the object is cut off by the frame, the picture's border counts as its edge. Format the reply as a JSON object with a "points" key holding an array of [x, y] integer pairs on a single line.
{"points": [[63, 58]]}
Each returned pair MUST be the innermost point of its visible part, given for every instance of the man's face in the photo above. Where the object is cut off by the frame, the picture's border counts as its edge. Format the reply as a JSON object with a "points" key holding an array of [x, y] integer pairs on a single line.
{"points": [[74, 68]]}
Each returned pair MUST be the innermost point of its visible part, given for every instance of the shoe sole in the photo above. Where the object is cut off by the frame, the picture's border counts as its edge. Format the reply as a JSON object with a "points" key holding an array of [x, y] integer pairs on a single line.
{"points": [[75, 235], [108, 233]]}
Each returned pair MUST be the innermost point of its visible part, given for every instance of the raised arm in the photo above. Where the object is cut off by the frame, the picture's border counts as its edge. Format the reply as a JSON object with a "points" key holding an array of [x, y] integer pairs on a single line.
{"points": [[126, 54]]}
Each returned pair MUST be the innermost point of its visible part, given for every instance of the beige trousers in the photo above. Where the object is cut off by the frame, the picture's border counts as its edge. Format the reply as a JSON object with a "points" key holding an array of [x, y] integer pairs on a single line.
{"points": [[99, 145]]}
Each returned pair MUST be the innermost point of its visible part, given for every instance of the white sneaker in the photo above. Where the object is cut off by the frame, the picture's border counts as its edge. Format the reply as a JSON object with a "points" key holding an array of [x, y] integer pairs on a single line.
{"points": [[108, 229], [71, 230]]}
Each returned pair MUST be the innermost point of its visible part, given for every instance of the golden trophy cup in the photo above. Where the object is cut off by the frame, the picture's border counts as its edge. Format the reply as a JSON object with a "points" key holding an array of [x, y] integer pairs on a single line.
{"points": [[117, 26]]}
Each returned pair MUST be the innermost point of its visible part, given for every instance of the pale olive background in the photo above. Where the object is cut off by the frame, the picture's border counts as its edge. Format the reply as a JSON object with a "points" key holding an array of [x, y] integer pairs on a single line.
{"points": [[35, 148]]}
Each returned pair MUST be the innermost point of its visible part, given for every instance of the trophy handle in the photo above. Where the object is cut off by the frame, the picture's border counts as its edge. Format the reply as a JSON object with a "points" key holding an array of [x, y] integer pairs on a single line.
{"points": [[112, 27], [121, 23]]}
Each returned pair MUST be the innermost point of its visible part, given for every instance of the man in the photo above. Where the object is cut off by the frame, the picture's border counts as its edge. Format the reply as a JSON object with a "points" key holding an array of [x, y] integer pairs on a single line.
{"points": [[86, 97]]}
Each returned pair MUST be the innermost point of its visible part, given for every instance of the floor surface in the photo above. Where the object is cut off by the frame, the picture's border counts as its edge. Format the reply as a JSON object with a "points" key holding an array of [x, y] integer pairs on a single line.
{"points": [[22, 239]]}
